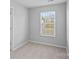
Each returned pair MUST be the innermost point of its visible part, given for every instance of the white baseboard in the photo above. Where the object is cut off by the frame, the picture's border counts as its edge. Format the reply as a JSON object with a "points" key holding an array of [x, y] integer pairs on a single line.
{"points": [[49, 44], [20, 45]]}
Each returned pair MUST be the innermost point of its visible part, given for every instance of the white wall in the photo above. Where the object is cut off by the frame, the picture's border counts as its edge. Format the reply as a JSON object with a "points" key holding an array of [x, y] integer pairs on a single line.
{"points": [[27, 24], [34, 14], [20, 25]]}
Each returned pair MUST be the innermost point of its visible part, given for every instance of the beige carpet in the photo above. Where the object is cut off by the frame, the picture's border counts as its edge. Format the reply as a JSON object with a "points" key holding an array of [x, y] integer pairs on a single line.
{"points": [[38, 51]]}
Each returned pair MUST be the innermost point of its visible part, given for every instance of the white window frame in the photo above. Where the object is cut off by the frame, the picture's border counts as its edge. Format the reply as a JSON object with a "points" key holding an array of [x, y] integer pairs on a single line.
{"points": [[53, 35]]}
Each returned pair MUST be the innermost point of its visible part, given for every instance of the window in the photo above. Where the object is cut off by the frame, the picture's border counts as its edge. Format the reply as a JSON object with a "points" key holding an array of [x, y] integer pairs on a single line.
{"points": [[47, 22]]}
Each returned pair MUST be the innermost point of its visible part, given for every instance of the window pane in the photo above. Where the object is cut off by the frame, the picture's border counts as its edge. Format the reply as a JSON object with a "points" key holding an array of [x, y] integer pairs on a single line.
{"points": [[47, 23]]}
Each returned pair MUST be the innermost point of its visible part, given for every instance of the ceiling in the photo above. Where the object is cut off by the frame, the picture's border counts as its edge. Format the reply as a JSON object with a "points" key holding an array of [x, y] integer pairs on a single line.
{"points": [[37, 3]]}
